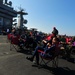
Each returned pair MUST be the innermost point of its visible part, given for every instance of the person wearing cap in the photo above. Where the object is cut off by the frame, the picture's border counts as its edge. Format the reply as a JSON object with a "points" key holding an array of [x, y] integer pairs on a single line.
{"points": [[54, 32]]}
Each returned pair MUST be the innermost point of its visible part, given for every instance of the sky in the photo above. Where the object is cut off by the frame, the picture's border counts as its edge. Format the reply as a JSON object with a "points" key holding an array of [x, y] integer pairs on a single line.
{"points": [[46, 14]]}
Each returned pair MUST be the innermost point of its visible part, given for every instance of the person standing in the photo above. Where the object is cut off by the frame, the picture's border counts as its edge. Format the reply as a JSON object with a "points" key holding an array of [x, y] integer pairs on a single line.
{"points": [[7, 31], [55, 31]]}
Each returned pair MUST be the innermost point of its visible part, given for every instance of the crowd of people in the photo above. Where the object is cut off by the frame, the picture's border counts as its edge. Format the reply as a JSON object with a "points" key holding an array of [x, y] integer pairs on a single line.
{"points": [[44, 42]]}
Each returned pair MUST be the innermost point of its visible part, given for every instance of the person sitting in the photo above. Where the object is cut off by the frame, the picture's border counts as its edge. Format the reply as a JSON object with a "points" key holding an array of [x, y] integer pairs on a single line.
{"points": [[13, 31], [22, 40], [63, 42], [51, 46]]}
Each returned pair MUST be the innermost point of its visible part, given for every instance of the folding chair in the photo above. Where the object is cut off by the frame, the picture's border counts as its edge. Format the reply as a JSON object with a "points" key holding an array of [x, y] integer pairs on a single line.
{"points": [[14, 43], [48, 58], [73, 50], [9, 37]]}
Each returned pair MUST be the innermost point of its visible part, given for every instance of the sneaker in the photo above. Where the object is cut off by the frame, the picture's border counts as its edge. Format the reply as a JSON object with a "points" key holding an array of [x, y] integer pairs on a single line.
{"points": [[29, 58]]}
